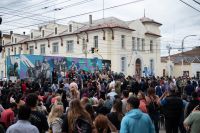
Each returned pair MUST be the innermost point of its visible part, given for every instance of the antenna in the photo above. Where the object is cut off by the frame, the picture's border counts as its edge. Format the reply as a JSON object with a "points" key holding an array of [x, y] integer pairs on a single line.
{"points": [[144, 13]]}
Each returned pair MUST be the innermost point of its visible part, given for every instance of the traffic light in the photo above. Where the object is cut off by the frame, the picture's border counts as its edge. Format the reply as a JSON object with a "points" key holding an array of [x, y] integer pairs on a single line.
{"points": [[92, 49]]}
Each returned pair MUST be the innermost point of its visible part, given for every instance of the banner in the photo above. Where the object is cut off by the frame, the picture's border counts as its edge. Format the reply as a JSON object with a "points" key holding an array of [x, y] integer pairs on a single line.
{"points": [[38, 66]]}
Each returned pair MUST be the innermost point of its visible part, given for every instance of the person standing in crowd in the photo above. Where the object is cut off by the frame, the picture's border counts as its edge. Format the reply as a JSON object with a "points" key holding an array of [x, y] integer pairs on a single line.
{"points": [[124, 100], [8, 115], [36, 118], [193, 103], [54, 76], [198, 88], [74, 113], [135, 121], [23, 125], [142, 99], [54, 119], [189, 89], [152, 101], [116, 115], [102, 125], [191, 123], [173, 107], [23, 86]]}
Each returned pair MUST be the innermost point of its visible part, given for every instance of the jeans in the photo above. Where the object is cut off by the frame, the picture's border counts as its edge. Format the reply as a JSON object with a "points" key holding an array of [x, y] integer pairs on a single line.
{"points": [[155, 119]]}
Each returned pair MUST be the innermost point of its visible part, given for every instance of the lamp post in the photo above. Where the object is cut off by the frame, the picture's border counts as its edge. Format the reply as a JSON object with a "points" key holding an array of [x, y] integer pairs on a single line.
{"points": [[182, 47]]}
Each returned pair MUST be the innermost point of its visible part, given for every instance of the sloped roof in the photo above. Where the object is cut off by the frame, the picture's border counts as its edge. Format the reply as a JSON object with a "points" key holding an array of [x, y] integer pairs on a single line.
{"points": [[148, 20], [191, 56], [152, 34], [110, 22], [6, 35]]}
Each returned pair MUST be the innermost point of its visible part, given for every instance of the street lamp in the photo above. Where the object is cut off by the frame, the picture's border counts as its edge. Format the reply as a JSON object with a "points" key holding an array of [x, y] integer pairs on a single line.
{"points": [[183, 48]]}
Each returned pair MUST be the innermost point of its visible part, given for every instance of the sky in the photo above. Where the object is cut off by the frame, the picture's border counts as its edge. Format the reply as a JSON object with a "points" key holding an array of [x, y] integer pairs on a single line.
{"points": [[178, 19]]}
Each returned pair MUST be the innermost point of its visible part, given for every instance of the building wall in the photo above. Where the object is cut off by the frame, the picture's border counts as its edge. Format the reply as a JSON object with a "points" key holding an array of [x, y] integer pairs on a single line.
{"points": [[108, 49], [195, 69], [152, 28], [178, 70]]}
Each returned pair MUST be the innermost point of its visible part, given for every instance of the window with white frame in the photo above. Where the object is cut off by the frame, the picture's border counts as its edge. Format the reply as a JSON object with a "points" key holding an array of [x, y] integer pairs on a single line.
{"points": [[56, 30], [12, 39], [143, 44], [151, 67], [151, 45], [15, 51], [96, 41], [70, 46], [133, 43], [31, 49], [138, 43], [15, 40], [55, 48], [70, 27], [42, 49], [123, 41], [84, 48], [42, 33], [31, 35], [123, 64], [19, 50], [8, 52]]}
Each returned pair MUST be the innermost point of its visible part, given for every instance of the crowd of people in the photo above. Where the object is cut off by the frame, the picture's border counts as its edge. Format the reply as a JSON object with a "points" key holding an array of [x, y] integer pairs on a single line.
{"points": [[100, 102]]}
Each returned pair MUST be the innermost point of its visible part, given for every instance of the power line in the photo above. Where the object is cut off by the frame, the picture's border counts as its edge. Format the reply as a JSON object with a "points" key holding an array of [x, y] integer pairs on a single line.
{"points": [[46, 6], [190, 5], [82, 14], [21, 12], [196, 2], [17, 2], [56, 9], [29, 17]]}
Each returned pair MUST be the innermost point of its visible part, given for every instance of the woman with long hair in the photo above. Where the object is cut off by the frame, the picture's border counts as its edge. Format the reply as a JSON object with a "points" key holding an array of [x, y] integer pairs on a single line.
{"points": [[76, 112], [116, 114], [102, 125], [54, 118]]}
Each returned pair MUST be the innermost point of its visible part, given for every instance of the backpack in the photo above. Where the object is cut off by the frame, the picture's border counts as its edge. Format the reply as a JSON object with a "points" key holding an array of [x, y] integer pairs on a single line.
{"points": [[153, 107], [82, 126]]}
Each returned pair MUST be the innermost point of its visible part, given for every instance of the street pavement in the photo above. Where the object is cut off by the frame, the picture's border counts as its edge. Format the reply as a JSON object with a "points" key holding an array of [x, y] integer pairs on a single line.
{"points": [[162, 131]]}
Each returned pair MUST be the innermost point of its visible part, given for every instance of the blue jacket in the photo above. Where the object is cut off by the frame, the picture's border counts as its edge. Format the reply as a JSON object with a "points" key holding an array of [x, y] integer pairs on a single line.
{"points": [[136, 122]]}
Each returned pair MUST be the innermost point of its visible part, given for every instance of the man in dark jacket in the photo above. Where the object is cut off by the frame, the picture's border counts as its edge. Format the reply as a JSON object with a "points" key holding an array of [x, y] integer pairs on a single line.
{"points": [[173, 108], [37, 118], [189, 89]]}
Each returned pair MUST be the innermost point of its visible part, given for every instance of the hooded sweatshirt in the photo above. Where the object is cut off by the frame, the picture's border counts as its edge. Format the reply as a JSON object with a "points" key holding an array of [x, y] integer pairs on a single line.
{"points": [[136, 122]]}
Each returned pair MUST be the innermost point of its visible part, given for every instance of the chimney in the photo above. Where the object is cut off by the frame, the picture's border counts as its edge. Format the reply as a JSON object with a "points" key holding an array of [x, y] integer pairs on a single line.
{"points": [[24, 33], [11, 32], [90, 19]]}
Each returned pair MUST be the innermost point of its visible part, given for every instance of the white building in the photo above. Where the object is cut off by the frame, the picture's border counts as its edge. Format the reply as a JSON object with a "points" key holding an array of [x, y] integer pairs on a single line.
{"points": [[132, 46], [190, 66]]}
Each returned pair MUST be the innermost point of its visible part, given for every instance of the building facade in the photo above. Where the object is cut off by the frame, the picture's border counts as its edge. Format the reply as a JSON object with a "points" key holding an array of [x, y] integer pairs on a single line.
{"points": [[190, 67], [133, 47]]}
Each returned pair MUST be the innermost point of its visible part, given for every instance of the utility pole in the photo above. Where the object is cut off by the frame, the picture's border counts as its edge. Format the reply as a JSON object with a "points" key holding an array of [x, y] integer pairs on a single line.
{"points": [[169, 69], [182, 47]]}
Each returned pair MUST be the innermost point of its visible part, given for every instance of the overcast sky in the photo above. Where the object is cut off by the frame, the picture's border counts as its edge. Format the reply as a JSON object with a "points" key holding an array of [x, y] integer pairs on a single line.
{"points": [[178, 19]]}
